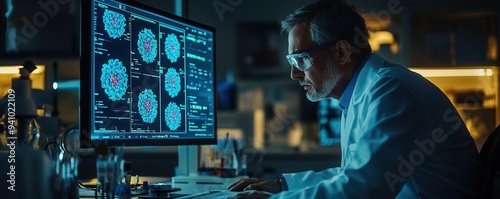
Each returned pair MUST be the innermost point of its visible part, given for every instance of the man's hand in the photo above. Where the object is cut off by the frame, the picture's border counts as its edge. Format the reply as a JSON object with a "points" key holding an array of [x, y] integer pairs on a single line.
{"points": [[271, 186], [252, 195]]}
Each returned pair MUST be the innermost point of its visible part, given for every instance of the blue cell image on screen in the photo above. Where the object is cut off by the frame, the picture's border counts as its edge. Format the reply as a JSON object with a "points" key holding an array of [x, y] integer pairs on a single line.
{"points": [[148, 106], [173, 116], [329, 116], [147, 45], [114, 79], [172, 48], [172, 82], [114, 23], [149, 76]]}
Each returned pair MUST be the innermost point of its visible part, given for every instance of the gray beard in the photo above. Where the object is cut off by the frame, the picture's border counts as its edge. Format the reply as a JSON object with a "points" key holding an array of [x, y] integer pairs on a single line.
{"points": [[330, 80]]}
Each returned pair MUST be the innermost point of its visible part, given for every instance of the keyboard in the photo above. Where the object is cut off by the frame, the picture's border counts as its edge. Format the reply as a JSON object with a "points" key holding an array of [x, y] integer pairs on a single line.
{"points": [[218, 194]]}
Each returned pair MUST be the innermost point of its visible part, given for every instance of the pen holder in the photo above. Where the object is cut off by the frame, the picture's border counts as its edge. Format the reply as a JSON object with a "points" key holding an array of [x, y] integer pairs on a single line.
{"points": [[222, 159], [220, 163], [109, 174]]}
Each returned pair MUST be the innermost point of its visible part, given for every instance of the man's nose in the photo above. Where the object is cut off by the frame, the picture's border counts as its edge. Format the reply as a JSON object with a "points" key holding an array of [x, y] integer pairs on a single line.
{"points": [[296, 74]]}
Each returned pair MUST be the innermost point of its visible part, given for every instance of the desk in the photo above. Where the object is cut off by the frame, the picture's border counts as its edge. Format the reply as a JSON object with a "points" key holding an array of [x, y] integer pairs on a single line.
{"points": [[151, 180], [88, 193], [188, 184]]}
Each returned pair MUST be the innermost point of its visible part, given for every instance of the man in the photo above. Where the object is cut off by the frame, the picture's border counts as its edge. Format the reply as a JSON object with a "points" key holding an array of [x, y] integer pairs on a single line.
{"points": [[400, 135]]}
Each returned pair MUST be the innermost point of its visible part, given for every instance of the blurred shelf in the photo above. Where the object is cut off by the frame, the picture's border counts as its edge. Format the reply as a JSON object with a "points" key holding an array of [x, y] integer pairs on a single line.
{"points": [[474, 108]]}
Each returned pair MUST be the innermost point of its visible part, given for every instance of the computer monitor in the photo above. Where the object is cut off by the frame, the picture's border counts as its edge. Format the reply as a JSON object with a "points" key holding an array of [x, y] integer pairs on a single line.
{"points": [[147, 77]]}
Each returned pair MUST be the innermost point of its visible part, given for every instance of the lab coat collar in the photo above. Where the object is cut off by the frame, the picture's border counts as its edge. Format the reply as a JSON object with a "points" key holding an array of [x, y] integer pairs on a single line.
{"points": [[363, 82], [345, 98]]}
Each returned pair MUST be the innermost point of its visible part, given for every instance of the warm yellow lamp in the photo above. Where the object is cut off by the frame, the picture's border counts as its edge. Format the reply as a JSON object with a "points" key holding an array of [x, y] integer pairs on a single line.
{"points": [[378, 38]]}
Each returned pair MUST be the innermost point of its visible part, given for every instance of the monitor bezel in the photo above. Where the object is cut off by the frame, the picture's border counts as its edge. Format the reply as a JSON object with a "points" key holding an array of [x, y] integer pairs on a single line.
{"points": [[86, 90]]}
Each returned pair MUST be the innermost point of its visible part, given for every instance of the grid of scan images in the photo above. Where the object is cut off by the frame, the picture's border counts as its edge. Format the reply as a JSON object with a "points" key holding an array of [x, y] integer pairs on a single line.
{"points": [[140, 85]]}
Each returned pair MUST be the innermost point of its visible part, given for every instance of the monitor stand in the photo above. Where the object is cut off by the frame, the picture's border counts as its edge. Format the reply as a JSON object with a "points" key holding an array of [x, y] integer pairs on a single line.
{"points": [[188, 160], [187, 178]]}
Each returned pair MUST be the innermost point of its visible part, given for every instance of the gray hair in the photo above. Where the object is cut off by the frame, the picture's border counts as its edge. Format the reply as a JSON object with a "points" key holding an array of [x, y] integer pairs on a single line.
{"points": [[331, 20]]}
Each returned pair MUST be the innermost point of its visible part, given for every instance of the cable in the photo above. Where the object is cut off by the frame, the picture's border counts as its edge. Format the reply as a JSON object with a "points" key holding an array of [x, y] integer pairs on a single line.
{"points": [[65, 136], [46, 147]]}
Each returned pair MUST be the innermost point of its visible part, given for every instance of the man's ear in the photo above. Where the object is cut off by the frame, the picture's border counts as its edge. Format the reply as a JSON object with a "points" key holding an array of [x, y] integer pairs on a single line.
{"points": [[344, 52]]}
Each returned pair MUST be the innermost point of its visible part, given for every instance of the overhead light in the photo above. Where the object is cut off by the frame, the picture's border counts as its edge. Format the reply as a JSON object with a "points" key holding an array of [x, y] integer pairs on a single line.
{"points": [[454, 72]]}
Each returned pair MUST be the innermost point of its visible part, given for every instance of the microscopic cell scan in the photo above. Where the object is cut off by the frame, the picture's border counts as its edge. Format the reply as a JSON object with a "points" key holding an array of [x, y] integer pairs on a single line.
{"points": [[114, 23], [114, 79], [148, 106], [172, 82], [147, 45], [173, 116], [172, 48]]}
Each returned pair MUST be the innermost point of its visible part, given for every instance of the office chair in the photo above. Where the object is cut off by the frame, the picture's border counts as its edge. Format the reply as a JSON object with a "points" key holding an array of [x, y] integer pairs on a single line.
{"points": [[490, 155]]}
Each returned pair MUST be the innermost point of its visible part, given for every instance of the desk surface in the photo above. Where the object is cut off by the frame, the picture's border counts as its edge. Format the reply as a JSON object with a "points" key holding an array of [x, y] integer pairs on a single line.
{"points": [[90, 193], [150, 179]]}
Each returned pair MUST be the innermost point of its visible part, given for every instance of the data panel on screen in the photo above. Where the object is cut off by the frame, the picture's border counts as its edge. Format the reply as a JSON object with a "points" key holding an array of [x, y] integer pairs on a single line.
{"points": [[151, 75]]}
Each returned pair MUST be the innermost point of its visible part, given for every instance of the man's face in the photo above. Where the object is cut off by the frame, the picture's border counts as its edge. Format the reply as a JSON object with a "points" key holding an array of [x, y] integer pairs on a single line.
{"points": [[322, 79]]}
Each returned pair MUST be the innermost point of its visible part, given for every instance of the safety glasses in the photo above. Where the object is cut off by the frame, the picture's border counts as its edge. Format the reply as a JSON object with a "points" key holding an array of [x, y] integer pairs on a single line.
{"points": [[303, 61]]}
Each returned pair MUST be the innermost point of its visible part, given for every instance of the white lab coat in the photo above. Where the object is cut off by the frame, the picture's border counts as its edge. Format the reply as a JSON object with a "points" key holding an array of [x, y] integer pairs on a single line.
{"points": [[401, 138]]}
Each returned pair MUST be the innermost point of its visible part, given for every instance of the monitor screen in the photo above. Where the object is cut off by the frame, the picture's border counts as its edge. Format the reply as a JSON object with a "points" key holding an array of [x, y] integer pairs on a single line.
{"points": [[147, 77]]}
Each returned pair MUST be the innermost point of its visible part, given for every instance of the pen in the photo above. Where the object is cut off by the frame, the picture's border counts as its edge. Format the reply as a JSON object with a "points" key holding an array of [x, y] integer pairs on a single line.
{"points": [[136, 182], [236, 149], [227, 140]]}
